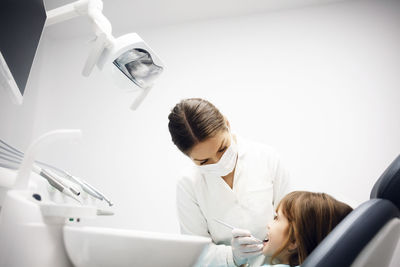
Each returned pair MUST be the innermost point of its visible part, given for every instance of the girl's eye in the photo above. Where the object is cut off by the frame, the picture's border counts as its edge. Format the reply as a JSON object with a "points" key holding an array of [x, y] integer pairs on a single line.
{"points": [[275, 217], [203, 162]]}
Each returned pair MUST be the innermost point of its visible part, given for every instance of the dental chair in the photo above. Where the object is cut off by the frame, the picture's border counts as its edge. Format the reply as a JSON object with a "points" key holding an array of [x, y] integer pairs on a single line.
{"points": [[368, 236]]}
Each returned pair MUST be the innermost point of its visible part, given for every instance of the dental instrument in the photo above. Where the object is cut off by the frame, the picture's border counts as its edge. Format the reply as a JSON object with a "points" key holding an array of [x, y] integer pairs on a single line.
{"points": [[232, 227], [225, 224], [58, 179], [98, 193], [67, 190], [16, 160], [56, 184], [85, 186], [48, 176]]}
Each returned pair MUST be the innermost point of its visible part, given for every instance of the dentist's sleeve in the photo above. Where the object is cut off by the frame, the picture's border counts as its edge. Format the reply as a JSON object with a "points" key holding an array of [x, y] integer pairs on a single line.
{"points": [[193, 222], [281, 180]]}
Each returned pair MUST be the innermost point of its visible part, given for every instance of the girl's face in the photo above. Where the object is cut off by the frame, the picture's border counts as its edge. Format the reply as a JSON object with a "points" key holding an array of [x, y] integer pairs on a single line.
{"points": [[277, 235]]}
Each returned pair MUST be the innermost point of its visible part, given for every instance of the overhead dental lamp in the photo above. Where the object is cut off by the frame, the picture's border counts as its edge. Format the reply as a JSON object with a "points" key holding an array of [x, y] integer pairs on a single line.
{"points": [[128, 59]]}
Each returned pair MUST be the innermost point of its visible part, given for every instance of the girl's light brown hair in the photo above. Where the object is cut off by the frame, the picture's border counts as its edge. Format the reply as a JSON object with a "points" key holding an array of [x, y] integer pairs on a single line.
{"points": [[311, 217], [192, 121]]}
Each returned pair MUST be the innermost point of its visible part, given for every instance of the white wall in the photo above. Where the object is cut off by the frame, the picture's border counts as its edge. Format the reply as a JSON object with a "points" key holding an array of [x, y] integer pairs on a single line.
{"points": [[320, 84]]}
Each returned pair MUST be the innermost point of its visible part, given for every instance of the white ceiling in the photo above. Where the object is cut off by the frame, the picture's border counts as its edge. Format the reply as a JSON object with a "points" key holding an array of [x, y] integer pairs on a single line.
{"points": [[131, 15]]}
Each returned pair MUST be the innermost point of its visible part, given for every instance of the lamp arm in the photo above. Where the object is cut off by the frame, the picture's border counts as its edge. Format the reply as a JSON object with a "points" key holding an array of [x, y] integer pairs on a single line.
{"points": [[100, 23], [101, 26], [67, 12], [95, 53], [139, 99], [91, 8]]}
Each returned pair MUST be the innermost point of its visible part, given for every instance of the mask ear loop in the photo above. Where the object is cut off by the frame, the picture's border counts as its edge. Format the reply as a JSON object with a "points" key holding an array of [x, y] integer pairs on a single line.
{"points": [[234, 143], [233, 140]]}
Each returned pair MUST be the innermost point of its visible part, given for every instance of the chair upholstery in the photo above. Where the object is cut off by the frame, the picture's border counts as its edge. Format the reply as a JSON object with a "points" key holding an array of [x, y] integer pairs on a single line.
{"points": [[369, 234], [379, 251], [388, 185], [342, 246]]}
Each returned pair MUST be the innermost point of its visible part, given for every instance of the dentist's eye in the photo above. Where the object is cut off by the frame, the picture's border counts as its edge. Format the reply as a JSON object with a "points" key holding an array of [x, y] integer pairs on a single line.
{"points": [[222, 150], [203, 162], [275, 217]]}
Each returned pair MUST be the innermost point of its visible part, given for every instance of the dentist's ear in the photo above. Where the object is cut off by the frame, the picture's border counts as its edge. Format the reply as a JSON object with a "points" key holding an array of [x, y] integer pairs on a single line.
{"points": [[227, 123]]}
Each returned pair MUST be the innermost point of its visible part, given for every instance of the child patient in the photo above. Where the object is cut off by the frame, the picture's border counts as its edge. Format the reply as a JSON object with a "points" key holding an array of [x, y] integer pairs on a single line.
{"points": [[302, 221]]}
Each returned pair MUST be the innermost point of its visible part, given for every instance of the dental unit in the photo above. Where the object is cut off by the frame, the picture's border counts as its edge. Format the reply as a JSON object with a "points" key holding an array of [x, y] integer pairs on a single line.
{"points": [[34, 210], [57, 183], [41, 226]]}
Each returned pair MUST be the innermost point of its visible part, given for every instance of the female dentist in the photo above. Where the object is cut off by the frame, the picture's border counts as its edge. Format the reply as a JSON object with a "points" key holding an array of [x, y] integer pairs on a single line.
{"points": [[234, 180]]}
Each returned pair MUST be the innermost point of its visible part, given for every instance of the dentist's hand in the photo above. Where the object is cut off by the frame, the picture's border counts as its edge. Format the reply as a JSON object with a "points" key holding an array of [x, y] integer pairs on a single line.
{"points": [[244, 246]]}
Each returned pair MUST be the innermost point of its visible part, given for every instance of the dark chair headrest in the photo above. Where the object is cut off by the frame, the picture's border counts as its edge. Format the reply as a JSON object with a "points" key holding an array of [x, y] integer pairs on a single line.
{"points": [[342, 246], [388, 185]]}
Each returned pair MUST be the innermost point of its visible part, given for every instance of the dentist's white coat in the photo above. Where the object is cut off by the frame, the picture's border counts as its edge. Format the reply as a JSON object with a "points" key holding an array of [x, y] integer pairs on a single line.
{"points": [[260, 182]]}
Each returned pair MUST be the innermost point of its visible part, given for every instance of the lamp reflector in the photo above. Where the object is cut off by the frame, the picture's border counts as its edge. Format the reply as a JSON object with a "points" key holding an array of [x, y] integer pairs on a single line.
{"points": [[138, 66]]}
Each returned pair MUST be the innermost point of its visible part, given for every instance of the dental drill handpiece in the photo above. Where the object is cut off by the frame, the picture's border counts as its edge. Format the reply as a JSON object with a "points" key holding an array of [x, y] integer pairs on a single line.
{"points": [[56, 183], [15, 158], [89, 188], [98, 192], [85, 186]]}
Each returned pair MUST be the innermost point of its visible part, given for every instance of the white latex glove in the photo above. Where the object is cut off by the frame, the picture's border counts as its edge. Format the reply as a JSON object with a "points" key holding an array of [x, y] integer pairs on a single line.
{"points": [[244, 246]]}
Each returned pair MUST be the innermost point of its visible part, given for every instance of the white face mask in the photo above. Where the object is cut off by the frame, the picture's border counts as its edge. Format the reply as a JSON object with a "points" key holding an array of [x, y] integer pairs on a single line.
{"points": [[225, 165]]}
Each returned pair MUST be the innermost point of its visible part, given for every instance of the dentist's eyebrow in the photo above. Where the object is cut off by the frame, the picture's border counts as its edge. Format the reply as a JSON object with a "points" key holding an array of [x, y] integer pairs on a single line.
{"points": [[222, 144]]}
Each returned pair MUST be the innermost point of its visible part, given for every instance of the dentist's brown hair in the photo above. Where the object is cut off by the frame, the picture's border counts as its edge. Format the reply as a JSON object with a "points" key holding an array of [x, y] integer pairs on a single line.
{"points": [[192, 121], [311, 217]]}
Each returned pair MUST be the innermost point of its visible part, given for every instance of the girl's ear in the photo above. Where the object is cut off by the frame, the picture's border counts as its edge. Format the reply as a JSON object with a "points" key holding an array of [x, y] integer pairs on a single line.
{"points": [[292, 246]]}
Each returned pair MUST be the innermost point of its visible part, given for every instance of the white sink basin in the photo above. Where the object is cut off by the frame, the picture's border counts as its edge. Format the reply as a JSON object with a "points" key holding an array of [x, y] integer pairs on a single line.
{"points": [[107, 247]]}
